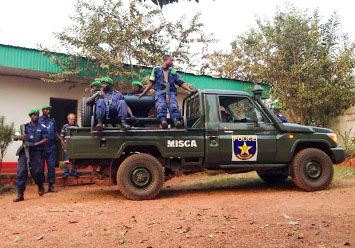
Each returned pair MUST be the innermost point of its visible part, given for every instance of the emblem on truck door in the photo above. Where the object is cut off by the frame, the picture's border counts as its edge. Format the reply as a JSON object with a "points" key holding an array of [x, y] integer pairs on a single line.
{"points": [[245, 147]]}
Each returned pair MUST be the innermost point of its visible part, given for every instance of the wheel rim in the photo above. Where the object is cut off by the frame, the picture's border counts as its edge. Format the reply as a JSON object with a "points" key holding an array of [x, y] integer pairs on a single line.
{"points": [[141, 177], [313, 170]]}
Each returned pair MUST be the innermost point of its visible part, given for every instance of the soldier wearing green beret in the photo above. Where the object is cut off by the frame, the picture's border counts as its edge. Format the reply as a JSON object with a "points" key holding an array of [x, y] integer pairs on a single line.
{"points": [[34, 136], [111, 105], [50, 149], [95, 89], [137, 88], [276, 110]]}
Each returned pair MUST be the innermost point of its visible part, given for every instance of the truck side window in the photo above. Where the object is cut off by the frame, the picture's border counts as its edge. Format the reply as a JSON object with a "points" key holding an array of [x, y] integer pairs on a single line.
{"points": [[238, 109]]}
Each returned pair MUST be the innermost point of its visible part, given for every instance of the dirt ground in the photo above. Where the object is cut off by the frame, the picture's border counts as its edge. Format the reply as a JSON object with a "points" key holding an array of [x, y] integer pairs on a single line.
{"points": [[191, 211]]}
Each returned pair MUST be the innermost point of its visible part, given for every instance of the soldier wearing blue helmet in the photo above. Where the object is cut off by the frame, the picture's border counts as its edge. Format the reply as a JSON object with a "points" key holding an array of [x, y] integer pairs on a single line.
{"points": [[163, 80], [35, 136]]}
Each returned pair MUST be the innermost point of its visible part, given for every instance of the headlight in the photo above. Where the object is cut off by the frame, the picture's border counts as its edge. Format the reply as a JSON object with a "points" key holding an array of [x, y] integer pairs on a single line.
{"points": [[333, 136]]}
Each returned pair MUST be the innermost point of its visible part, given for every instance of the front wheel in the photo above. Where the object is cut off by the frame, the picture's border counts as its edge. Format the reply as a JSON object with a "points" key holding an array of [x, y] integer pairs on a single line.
{"points": [[140, 177], [312, 169]]}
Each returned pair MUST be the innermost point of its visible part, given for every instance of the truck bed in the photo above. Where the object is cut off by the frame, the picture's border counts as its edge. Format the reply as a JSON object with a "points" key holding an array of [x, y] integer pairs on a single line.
{"points": [[111, 143]]}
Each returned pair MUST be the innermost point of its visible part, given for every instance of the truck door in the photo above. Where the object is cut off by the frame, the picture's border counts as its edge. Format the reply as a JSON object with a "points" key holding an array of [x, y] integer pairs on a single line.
{"points": [[241, 141]]}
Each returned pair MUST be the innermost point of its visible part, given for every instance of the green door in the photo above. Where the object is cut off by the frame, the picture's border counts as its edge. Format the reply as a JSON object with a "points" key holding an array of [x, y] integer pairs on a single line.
{"points": [[241, 140]]}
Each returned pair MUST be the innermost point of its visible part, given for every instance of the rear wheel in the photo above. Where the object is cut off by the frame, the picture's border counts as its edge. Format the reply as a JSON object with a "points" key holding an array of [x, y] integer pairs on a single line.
{"points": [[272, 176], [312, 169], [140, 177]]}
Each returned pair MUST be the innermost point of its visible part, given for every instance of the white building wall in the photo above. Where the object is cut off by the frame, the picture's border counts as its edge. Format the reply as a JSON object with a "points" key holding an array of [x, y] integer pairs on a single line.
{"points": [[345, 122], [19, 94]]}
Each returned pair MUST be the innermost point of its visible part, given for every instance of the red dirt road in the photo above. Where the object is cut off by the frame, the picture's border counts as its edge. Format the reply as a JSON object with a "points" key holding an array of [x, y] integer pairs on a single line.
{"points": [[248, 213]]}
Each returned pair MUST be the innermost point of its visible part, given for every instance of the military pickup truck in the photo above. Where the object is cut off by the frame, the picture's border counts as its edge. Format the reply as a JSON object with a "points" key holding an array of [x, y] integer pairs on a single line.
{"points": [[224, 131]]}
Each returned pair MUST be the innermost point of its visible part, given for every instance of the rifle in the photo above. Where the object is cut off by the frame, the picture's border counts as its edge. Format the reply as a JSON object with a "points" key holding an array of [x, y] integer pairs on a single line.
{"points": [[27, 151]]}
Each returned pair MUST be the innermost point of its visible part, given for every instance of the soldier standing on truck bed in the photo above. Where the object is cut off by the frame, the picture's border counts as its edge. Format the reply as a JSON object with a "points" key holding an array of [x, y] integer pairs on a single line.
{"points": [[31, 156], [111, 104], [163, 80], [50, 149]]}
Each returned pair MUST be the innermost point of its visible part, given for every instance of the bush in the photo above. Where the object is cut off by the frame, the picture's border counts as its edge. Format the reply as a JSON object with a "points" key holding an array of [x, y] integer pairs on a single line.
{"points": [[6, 135], [348, 142]]}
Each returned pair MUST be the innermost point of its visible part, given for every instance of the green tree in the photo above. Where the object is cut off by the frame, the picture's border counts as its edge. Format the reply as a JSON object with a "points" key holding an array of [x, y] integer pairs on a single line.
{"points": [[308, 64], [109, 39], [161, 3], [6, 135]]}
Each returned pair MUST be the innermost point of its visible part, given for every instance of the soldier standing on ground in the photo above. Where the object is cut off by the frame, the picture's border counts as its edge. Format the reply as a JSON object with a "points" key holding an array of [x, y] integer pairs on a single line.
{"points": [[276, 110], [71, 123], [163, 80], [111, 105], [35, 136], [50, 150]]}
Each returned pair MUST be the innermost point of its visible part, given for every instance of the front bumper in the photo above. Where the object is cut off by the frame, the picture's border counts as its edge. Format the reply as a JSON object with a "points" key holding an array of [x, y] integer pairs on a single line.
{"points": [[337, 155]]}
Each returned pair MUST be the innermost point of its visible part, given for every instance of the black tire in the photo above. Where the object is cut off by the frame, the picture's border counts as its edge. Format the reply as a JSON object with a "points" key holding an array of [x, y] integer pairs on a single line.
{"points": [[272, 176], [312, 169], [86, 113], [140, 177]]}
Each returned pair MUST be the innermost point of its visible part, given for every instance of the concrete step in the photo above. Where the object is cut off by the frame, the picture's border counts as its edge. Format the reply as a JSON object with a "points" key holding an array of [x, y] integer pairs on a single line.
{"points": [[85, 177]]}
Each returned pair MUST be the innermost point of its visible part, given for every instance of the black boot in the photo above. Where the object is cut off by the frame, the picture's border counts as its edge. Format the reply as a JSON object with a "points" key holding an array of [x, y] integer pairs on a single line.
{"points": [[99, 125], [51, 188], [125, 126], [40, 189], [19, 196], [177, 123], [163, 123]]}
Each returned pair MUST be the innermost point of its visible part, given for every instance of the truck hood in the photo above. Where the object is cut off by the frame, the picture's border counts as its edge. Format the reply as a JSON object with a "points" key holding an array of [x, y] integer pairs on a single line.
{"points": [[296, 128]]}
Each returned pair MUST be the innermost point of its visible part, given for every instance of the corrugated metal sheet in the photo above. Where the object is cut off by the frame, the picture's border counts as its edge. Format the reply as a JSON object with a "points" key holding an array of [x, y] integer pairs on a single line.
{"points": [[25, 58], [32, 59]]}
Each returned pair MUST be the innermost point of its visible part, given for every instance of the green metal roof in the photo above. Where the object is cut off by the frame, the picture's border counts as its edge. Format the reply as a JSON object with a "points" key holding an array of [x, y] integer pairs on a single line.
{"points": [[32, 59]]}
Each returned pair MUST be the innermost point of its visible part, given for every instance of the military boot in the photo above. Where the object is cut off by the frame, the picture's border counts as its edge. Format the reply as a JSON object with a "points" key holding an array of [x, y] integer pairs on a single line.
{"points": [[125, 126], [177, 123], [40, 189], [99, 125], [163, 123], [51, 188], [19, 196]]}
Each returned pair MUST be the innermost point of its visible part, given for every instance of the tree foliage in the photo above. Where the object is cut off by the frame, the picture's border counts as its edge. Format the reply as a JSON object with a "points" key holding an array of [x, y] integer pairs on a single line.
{"points": [[162, 3], [109, 39], [308, 64], [6, 134]]}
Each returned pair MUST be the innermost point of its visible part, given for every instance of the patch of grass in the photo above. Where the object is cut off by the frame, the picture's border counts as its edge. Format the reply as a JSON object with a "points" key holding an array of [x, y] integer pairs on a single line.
{"points": [[247, 180], [205, 181], [342, 172]]}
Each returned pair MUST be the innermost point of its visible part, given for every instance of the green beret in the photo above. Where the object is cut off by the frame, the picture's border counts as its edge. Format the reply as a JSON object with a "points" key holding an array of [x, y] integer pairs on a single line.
{"points": [[46, 107], [107, 80], [137, 83], [275, 107], [96, 83], [33, 111]]}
